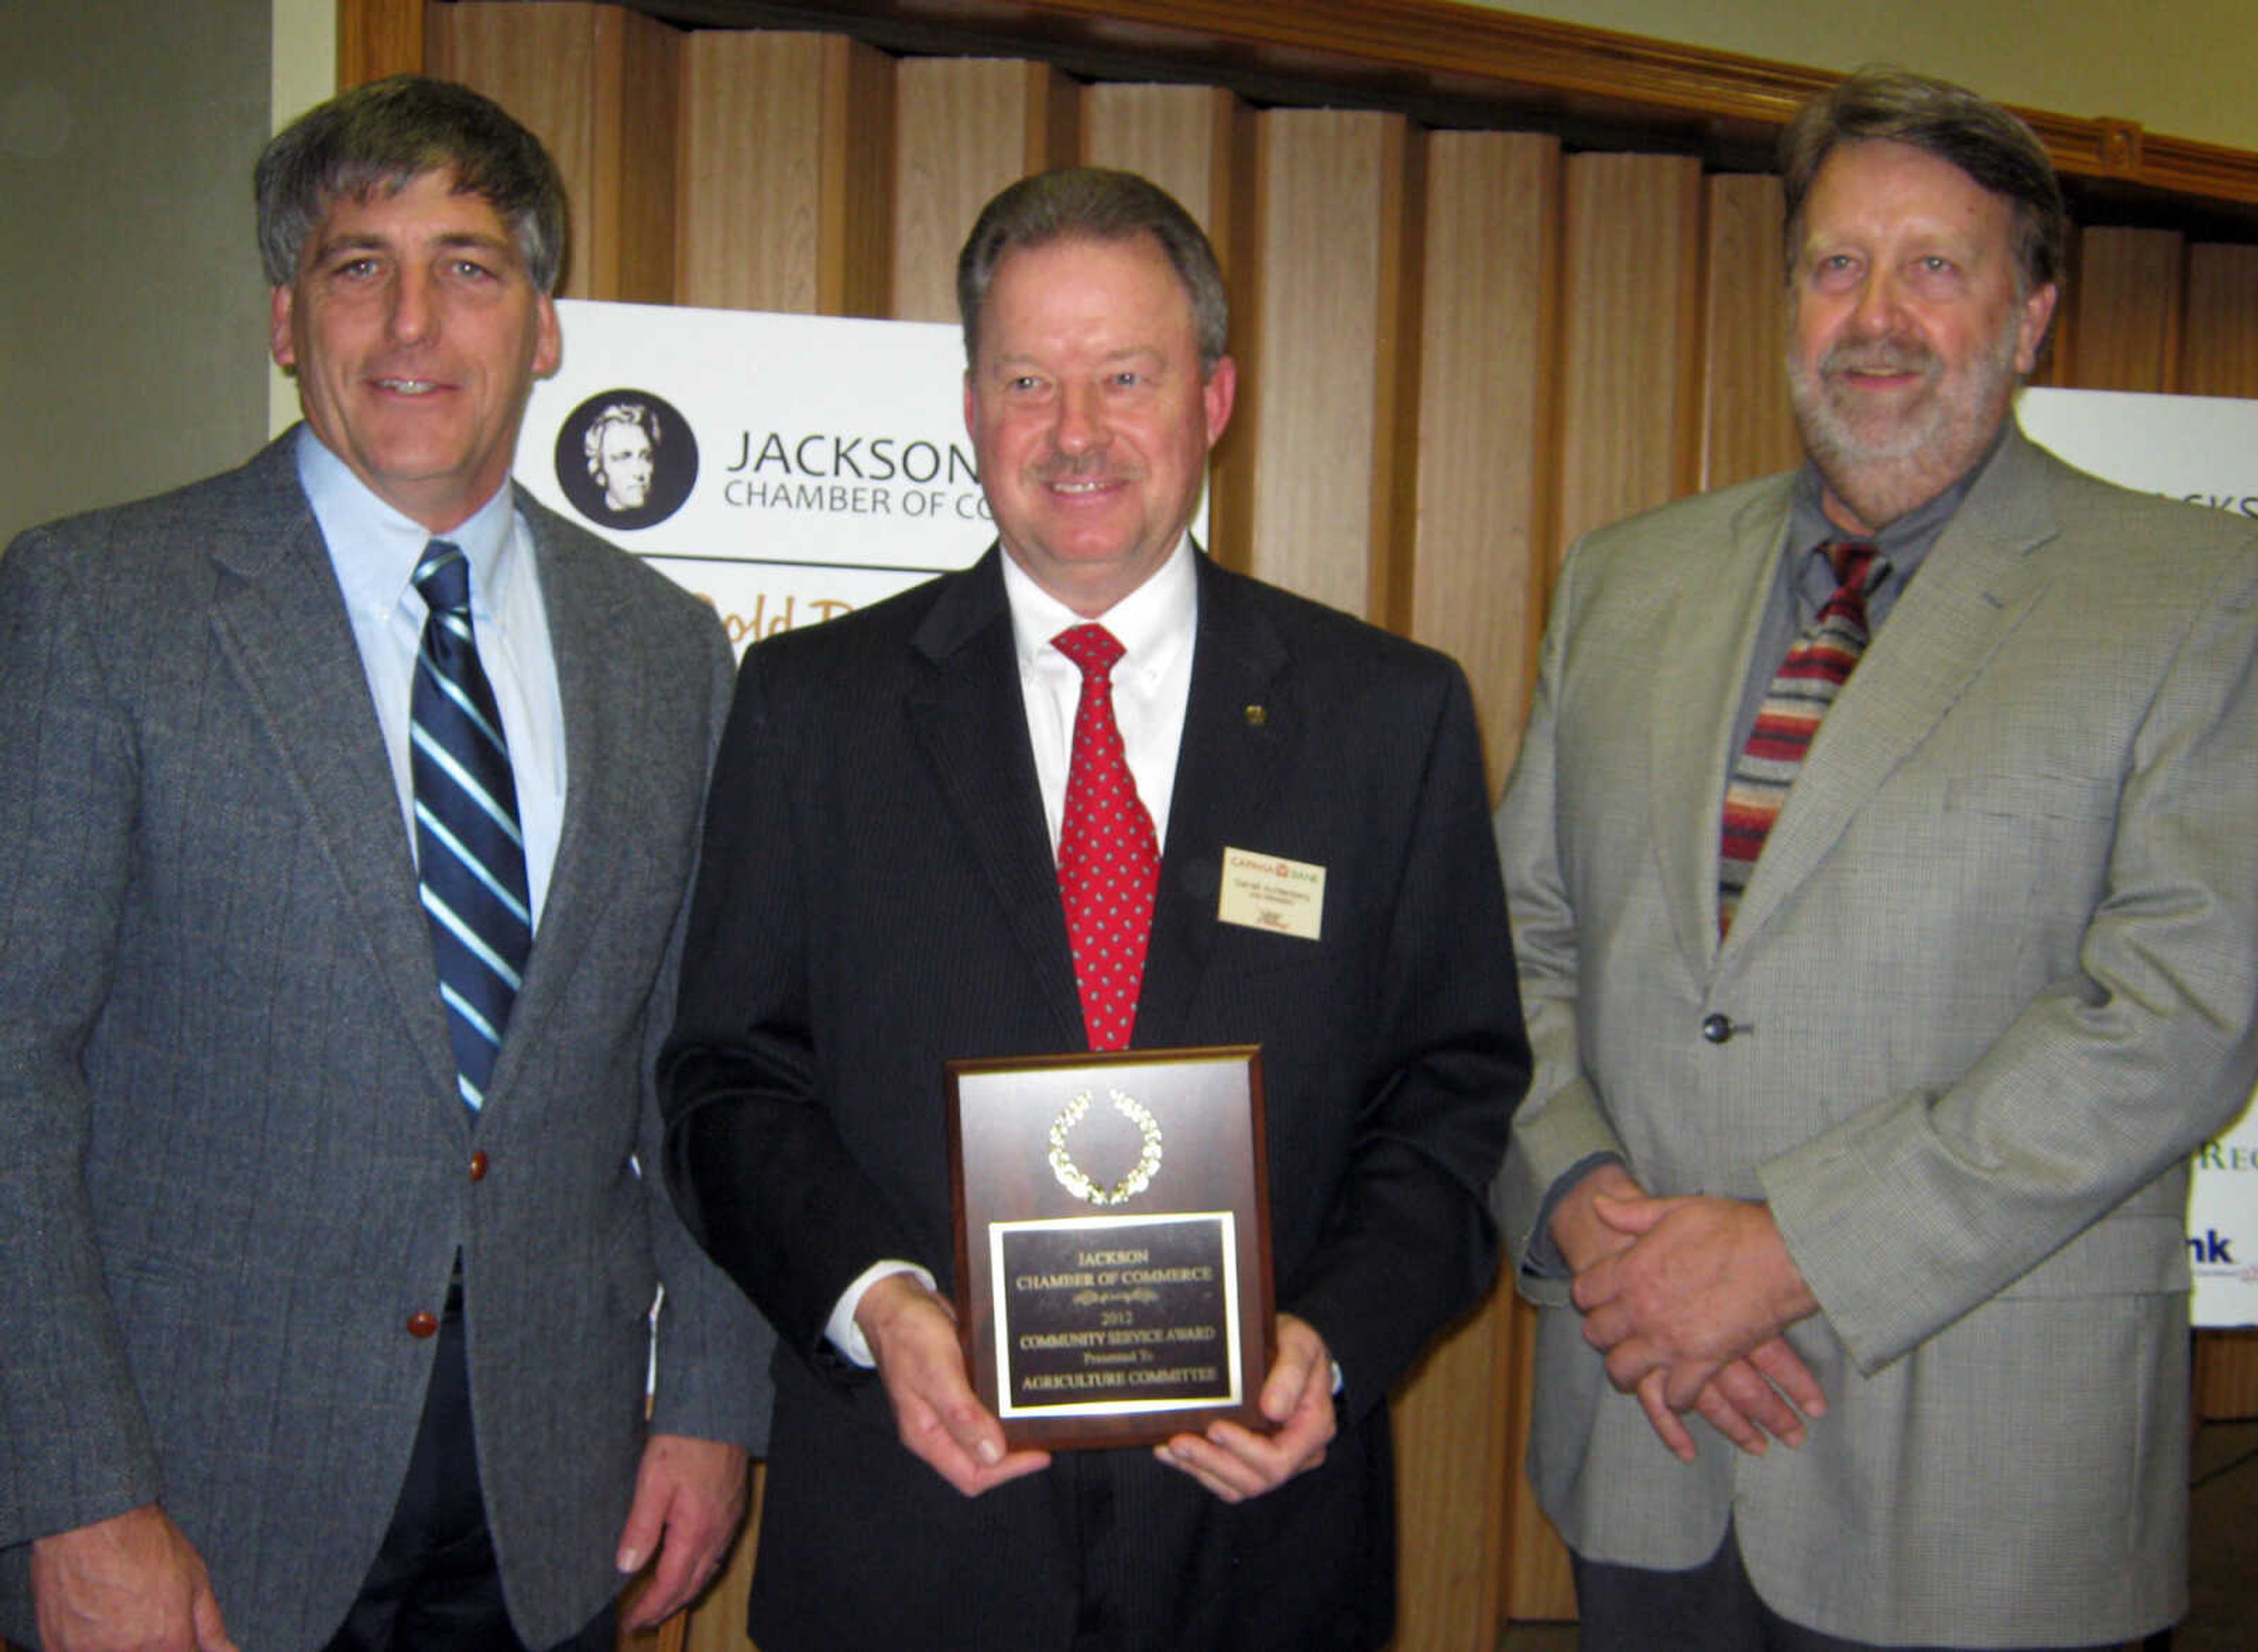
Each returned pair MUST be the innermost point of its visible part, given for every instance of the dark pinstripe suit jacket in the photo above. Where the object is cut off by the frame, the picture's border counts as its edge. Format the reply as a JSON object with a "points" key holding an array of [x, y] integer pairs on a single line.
{"points": [[879, 895]]}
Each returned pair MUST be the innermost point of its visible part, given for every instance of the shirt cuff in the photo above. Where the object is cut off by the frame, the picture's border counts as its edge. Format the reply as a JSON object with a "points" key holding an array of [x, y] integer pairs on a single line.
{"points": [[845, 1335], [1542, 1258]]}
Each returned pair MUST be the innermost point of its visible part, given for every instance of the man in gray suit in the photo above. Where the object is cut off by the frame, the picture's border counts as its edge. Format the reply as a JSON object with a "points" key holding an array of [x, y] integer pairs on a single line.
{"points": [[1870, 1062], [332, 1320]]}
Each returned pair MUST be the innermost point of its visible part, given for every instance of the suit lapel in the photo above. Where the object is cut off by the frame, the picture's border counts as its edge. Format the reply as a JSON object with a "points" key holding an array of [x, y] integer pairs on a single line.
{"points": [[600, 697], [969, 715], [1973, 589], [282, 623], [1239, 722], [1701, 663]]}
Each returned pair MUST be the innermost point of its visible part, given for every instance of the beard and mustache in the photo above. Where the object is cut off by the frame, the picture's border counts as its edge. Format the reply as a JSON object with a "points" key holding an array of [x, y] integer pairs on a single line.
{"points": [[1883, 454]]}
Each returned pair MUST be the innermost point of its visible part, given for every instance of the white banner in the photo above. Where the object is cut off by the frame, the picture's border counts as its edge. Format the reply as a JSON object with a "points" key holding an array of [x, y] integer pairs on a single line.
{"points": [[2204, 450], [787, 468]]}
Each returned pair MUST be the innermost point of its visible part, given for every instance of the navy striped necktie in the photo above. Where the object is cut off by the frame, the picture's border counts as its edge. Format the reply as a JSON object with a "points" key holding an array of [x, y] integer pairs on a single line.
{"points": [[470, 855]]}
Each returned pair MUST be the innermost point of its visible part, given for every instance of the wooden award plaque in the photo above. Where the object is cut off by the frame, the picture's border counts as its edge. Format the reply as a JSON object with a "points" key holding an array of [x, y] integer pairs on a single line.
{"points": [[1112, 1241]]}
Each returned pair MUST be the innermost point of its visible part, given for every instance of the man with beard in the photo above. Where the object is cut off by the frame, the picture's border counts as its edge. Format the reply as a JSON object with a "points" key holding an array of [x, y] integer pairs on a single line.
{"points": [[1876, 1010]]}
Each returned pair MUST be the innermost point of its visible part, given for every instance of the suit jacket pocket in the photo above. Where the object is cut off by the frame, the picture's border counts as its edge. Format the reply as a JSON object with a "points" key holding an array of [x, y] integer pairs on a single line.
{"points": [[2120, 1255], [2031, 796]]}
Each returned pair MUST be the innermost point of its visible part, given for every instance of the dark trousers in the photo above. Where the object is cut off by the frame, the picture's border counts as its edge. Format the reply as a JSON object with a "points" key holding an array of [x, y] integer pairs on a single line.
{"points": [[1712, 1609], [434, 1587]]}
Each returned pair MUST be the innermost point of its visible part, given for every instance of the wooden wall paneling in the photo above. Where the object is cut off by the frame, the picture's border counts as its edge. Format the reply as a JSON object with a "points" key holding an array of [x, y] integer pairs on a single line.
{"points": [[1482, 54], [1400, 307], [1747, 430], [377, 37], [597, 85], [2219, 340], [1482, 501], [1631, 373], [1631, 361], [634, 193], [1488, 321], [2226, 1375], [2127, 294], [1195, 143], [787, 169], [1452, 1426], [1540, 1588], [1322, 368], [1490, 334], [1179, 137], [964, 128]]}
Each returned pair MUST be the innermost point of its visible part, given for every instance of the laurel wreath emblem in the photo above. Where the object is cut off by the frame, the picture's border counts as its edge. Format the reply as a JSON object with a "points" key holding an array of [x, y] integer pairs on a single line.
{"points": [[1070, 1175]]}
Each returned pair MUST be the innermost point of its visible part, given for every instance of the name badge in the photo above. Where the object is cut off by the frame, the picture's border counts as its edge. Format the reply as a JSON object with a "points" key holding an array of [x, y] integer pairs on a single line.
{"points": [[1268, 891]]}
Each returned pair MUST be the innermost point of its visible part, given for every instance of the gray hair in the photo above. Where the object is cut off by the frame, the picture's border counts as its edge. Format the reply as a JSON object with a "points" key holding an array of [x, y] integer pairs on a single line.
{"points": [[379, 138], [1089, 203], [1991, 145], [630, 413]]}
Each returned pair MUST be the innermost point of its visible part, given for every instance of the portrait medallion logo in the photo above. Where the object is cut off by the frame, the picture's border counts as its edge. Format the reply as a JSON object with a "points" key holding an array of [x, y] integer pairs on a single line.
{"points": [[626, 459]]}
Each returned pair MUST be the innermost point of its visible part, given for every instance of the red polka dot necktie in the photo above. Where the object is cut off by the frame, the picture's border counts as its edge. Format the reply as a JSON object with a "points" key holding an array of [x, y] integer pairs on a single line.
{"points": [[1816, 667], [1109, 856]]}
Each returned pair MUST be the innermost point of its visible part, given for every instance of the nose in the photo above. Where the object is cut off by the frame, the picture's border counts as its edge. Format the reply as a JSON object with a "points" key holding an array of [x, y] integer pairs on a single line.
{"points": [[1878, 309], [414, 311], [1081, 420]]}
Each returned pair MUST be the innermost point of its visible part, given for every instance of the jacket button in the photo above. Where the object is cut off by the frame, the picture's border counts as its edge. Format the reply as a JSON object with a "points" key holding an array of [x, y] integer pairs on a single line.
{"points": [[424, 1323], [1716, 1028], [479, 1166]]}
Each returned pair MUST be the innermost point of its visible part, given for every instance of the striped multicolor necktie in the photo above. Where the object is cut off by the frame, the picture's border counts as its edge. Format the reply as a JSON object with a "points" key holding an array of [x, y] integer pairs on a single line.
{"points": [[1109, 856], [1813, 672], [469, 854]]}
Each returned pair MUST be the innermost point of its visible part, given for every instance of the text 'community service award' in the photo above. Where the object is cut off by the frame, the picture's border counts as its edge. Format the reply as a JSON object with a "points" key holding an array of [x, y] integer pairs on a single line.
{"points": [[1112, 1241]]}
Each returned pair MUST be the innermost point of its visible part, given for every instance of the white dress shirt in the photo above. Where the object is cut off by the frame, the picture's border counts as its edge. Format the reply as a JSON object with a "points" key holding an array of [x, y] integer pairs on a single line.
{"points": [[1152, 681], [374, 549], [1155, 625]]}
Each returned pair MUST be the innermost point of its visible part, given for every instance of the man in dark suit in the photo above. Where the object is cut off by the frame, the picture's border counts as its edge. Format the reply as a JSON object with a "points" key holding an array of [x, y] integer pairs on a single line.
{"points": [[894, 809], [1870, 1062], [332, 1317]]}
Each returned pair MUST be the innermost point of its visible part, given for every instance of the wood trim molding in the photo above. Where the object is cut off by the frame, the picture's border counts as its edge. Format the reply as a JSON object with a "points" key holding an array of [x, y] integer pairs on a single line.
{"points": [[1433, 52]]}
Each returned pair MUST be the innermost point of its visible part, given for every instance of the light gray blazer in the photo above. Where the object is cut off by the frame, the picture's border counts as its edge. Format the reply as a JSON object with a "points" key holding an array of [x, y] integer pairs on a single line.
{"points": [[1992, 983], [234, 1162]]}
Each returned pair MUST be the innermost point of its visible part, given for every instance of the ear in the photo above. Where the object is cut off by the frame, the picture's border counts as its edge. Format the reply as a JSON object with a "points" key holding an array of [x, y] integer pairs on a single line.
{"points": [[970, 429], [549, 345], [280, 343], [1219, 396], [2031, 326]]}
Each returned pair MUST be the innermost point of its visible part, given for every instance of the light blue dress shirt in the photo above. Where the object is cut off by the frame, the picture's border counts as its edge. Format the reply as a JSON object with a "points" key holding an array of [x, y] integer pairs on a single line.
{"points": [[374, 549]]}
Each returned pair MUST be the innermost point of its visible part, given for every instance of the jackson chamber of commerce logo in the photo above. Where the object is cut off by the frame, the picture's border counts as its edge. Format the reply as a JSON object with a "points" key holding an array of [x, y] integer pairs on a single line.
{"points": [[626, 459]]}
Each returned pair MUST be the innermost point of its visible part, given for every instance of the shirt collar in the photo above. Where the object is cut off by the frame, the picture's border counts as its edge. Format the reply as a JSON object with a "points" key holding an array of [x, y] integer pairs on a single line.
{"points": [[1152, 623], [1905, 542], [375, 547]]}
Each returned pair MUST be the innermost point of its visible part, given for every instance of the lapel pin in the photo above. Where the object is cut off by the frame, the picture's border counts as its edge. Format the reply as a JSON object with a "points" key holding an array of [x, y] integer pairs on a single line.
{"points": [[1257, 716]]}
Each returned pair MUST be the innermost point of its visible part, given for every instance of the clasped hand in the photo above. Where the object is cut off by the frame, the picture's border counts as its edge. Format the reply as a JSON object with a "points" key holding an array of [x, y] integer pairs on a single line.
{"points": [[1687, 1297]]}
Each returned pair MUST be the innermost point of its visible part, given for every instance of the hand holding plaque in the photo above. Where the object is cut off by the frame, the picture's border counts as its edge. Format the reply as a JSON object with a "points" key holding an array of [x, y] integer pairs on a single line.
{"points": [[1112, 1241]]}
